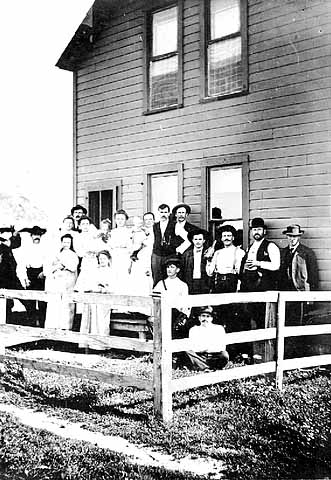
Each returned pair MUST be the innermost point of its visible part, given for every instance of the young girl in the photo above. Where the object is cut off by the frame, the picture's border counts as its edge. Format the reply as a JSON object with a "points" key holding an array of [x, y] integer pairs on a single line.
{"points": [[96, 317]]}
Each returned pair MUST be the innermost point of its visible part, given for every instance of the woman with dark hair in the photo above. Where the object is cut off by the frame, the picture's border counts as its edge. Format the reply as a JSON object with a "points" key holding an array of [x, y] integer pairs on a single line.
{"points": [[61, 277], [121, 249]]}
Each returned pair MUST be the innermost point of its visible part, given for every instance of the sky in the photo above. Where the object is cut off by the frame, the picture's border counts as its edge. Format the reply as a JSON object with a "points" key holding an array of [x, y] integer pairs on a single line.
{"points": [[36, 101]]}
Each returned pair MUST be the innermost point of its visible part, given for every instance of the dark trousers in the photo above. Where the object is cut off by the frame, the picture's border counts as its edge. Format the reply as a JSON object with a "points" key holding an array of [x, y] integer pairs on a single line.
{"points": [[225, 283], [36, 309], [158, 268], [206, 361]]}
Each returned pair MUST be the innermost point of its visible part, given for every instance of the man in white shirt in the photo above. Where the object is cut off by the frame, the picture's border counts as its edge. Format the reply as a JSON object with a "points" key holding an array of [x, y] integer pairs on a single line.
{"points": [[260, 265], [208, 344], [171, 287], [31, 272], [224, 266], [259, 270]]}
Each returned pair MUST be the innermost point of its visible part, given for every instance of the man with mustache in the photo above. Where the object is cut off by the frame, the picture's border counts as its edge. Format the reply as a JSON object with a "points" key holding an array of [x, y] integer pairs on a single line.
{"points": [[259, 269], [163, 247], [180, 214]]}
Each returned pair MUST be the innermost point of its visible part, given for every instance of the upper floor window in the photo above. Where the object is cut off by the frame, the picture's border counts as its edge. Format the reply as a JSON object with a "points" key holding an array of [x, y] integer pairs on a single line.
{"points": [[163, 85], [224, 45]]}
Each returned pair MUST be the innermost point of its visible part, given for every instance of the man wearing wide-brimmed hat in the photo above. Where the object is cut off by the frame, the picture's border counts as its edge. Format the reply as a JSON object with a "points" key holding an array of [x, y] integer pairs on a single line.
{"points": [[298, 272], [31, 272], [180, 214], [298, 269], [224, 266], [194, 263]]}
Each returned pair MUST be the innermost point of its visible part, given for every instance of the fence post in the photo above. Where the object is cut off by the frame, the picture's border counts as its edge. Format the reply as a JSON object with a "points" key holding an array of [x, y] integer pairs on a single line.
{"points": [[280, 341], [162, 359], [3, 319]]}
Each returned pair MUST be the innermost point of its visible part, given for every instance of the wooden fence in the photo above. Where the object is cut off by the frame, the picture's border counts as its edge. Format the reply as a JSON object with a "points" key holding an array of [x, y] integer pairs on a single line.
{"points": [[162, 346]]}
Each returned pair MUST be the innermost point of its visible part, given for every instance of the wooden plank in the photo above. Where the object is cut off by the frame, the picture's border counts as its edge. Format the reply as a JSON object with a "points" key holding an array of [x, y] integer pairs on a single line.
{"points": [[224, 299], [116, 342], [306, 362], [204, 379], [245, 336], [78, 372], [308, 330]]}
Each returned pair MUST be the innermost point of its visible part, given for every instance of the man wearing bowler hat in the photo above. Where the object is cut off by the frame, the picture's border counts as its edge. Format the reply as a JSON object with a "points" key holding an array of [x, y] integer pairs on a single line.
{"points": [[259, 270], [180, 214], [260, 265]]}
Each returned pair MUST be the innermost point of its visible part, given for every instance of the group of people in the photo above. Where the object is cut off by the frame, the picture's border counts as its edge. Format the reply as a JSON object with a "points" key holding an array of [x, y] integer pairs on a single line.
{"points": [[170, 256]]}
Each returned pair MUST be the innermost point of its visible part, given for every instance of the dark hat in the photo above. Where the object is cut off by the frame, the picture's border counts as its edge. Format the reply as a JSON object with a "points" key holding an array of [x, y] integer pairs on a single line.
{"points": [[34, 230], [227, 228], [172, 261], [104, 252], [258, 222], [293, 230], [78, 207], [7, 229], [207, 309], [197, 231], [181, 205]]}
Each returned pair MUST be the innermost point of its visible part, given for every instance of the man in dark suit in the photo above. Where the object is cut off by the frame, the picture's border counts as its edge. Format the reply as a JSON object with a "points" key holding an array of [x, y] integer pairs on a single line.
{"points": [[194, 263], [298, 272], [180, 214], [298, 267], [163, 243]]}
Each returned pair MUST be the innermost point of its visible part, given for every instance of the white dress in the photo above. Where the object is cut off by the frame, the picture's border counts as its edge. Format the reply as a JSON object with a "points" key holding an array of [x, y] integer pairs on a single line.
{"points": [[61, 277], [141, 280], [121, 249], [96, 317]]}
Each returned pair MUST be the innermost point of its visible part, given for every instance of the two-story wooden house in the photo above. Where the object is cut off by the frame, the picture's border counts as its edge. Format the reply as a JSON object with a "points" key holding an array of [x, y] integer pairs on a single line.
{"points": [[222, 104]]}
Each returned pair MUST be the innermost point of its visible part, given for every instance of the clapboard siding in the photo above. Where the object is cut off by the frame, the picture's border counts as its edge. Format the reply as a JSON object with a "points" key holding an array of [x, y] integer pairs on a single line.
{"points": [[282, 125]]}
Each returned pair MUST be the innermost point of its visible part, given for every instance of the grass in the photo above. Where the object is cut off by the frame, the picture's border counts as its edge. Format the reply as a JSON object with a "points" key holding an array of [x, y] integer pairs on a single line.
{"points": [[259, 432]]}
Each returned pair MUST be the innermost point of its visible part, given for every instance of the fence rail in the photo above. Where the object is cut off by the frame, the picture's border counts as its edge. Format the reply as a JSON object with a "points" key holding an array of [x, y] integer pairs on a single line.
{"points": [[162, 346]]}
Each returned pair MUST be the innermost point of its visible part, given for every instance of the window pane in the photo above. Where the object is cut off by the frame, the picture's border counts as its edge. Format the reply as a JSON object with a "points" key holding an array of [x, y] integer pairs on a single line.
{"points": [[106, 204], [164, 189], [165, 31], [225, 67], [94, 207], [163, 82], [225, 198], [224, 18]]}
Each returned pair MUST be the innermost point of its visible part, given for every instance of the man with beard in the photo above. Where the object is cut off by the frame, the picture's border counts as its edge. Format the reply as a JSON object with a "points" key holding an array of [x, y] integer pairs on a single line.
{"points": [[32, 273], [163, 232], [259, 269]]}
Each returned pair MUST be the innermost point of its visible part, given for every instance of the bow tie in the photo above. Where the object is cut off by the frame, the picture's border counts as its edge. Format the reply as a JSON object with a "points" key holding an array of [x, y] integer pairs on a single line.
{"points": [[198, 251]]}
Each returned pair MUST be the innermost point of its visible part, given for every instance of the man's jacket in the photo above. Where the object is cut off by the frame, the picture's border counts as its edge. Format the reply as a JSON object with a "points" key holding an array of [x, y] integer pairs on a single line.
{"points": [[304, 271]]}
